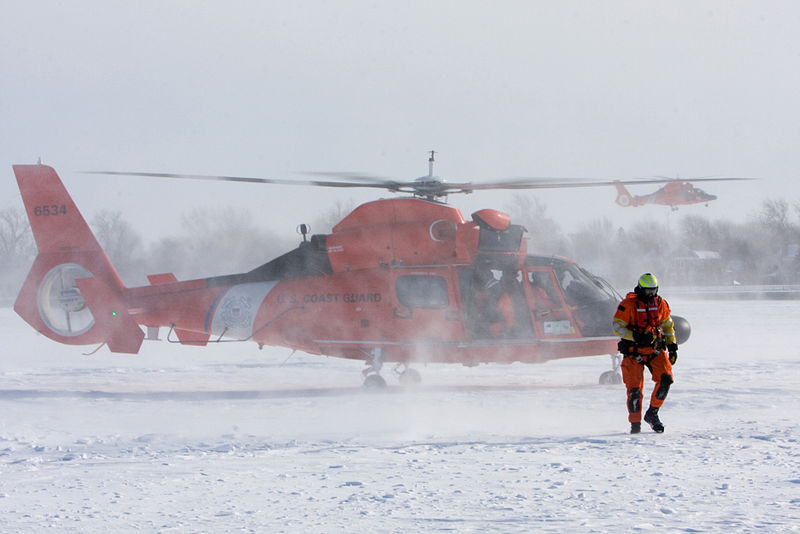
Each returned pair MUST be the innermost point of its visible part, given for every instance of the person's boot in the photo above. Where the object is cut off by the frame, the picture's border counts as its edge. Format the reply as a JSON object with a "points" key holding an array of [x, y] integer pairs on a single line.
{"points": [[651, 418], [636, 428]]}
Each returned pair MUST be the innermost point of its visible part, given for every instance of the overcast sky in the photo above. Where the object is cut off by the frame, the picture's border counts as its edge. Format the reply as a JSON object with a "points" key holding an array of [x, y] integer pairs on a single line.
{"points": [[499, 89]]}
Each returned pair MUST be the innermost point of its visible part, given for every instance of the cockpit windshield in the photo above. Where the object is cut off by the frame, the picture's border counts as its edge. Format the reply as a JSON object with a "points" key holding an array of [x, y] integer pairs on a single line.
{"points": [[580, 288]]}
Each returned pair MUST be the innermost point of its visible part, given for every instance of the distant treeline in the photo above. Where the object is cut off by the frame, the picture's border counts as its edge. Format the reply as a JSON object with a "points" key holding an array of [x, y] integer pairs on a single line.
{"points": [[764, 249]]}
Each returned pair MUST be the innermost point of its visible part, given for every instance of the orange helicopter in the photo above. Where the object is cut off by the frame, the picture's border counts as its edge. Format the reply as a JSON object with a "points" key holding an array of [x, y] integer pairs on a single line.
{"points": [[675, 193], [401, 280]]}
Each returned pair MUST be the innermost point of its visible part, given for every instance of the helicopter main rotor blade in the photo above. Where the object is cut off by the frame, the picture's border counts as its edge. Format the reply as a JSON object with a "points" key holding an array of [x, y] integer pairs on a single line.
{"points": [[355, 176], [527, 183], [547, 183], [666, 179], [432, 188], [245, 179], [374, 182]]}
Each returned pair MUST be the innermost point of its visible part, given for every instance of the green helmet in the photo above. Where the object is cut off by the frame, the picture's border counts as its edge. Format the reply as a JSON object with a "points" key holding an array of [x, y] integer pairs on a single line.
{"points": [[647, 286], [648, 281]]}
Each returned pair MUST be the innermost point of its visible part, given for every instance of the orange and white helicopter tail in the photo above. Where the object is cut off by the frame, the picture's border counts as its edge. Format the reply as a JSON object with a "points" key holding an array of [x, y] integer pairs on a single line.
{"points": [[72, 294], [624, 198]]}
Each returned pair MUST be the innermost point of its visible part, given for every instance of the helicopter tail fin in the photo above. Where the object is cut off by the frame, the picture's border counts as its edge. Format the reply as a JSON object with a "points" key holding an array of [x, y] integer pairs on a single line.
{"points": [[72, 294], [624, 198]]}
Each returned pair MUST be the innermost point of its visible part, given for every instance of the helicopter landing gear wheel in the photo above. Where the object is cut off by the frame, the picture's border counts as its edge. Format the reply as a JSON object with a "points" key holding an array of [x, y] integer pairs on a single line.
{"points": [[613, 376], [372, 378], [374, 381], [610, 378], [408, 376]]}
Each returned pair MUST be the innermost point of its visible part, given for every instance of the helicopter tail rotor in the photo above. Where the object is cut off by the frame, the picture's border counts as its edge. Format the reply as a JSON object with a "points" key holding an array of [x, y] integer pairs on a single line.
{"points": [[72, 293]]}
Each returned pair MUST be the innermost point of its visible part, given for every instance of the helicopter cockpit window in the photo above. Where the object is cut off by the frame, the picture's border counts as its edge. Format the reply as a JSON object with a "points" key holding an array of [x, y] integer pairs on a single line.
{"points": [[422, 291], [603, 285], [579, 289]]}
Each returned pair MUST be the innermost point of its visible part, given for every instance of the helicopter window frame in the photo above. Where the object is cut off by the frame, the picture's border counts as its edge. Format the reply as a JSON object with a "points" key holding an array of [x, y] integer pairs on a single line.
{"points": [[602, 284], [579, 287], [422, 291]]}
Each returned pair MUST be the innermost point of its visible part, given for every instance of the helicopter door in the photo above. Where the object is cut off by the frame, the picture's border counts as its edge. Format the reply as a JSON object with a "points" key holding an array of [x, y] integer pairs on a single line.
{"points": [[550, 313], [425, 308]]}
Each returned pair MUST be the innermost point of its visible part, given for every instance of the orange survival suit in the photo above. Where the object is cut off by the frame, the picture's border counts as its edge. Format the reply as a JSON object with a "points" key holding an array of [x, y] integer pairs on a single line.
{"points": [[645, 329]]}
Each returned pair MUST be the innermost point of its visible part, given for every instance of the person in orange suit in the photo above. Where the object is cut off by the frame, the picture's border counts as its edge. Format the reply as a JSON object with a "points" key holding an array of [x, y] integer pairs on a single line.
{"points": [[647, 339]]}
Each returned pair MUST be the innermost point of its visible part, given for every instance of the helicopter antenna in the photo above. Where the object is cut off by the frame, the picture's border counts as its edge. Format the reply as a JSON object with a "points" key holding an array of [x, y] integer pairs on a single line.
{"points": [[430, 164], [303, 229]]}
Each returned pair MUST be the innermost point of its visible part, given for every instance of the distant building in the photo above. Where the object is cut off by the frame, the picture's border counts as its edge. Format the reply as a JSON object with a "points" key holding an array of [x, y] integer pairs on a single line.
{"points": [[697, 267]]}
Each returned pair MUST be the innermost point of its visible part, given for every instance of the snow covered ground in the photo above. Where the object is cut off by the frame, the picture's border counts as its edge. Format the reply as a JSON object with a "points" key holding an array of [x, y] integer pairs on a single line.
{"points": [[233, 439]]}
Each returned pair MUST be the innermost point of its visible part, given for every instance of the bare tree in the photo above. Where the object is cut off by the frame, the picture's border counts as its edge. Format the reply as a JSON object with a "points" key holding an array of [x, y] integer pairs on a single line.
{"points": [[592, 239], [600, 247], [325, 222], [698, 233], [544, 232], [120, 241], [774, 216], [16, 240], [216, 241], [17, 251], [775, 223]]}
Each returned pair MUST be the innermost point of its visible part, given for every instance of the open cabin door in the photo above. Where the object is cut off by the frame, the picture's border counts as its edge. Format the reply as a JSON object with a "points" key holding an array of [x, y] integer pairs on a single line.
{"points": [[494, 302]]}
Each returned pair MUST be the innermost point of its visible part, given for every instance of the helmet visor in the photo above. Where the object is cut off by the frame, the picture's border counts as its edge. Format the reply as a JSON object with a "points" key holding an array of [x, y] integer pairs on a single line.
{"points": [[648, 292]]}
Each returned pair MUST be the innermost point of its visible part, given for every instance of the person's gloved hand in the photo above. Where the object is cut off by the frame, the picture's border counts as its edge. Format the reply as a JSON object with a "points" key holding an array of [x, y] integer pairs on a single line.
{"points": [[643, 339], [672, 349]]}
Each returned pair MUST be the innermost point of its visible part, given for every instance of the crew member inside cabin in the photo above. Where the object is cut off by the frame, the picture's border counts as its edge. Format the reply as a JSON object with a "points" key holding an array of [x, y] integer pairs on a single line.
{"points": [[542, 303], [482, 311], [497, 307], [503, 326]]}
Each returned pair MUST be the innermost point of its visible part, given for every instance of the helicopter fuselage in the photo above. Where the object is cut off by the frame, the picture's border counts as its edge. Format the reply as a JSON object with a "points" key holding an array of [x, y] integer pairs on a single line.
{"points": [[398, 275]]}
